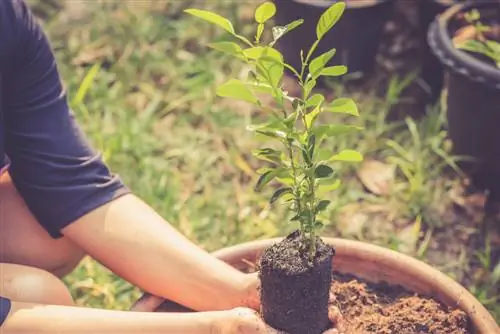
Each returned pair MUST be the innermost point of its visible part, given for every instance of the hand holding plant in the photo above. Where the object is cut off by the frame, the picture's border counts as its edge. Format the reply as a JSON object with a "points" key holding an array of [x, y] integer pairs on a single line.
{"points": [[295, 273]]}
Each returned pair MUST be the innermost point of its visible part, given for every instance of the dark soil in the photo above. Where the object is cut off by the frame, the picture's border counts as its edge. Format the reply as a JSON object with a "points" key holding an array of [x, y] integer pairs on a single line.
{"points": [[386, 309], [380, 308], [294, 291]]}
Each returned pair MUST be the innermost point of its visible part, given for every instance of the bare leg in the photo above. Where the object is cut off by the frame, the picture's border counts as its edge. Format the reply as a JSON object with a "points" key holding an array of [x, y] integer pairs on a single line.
{"points": [[25, 242], [31, 285]]}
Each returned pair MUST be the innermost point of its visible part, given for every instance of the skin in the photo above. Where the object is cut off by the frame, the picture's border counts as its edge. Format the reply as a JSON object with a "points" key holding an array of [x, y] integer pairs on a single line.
{"points": [[29, 274]]}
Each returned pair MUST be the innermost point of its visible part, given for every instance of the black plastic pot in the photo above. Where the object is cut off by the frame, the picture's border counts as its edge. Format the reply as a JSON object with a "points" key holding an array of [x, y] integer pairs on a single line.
{"points": [[432, 72], [294, 295], [356, 36], [473, 96]]}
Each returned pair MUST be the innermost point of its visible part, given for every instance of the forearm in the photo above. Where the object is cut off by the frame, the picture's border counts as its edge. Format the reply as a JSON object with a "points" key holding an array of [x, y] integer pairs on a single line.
{"points": [[132, 240], [40, 319]]}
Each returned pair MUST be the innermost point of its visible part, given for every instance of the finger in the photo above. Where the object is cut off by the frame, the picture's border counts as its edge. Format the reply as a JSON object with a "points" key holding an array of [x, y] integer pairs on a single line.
{"points": [[335, 316], [147, 303], [270, 330], [332, 331]]}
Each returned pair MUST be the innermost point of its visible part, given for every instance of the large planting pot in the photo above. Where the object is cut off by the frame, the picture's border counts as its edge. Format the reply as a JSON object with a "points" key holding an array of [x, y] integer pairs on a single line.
{"points": [[377, 264], [473, 96], [356, 36]]}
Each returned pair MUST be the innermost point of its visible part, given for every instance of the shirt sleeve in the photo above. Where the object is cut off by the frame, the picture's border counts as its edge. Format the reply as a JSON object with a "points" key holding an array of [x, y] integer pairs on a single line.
{"points": [[58, 174]]}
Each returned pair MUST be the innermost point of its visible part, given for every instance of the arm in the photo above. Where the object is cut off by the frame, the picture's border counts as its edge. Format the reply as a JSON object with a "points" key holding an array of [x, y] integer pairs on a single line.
{"points": [[39, 319], [71, 191], [128, 237]]}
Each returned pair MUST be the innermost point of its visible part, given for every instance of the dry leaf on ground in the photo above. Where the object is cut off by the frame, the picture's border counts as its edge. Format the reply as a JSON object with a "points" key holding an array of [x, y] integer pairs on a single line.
{"points": [[377, 176]]}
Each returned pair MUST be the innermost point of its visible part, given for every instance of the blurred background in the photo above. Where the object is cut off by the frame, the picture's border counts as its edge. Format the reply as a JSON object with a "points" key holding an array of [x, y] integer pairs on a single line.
{"points": [[141, 81]]}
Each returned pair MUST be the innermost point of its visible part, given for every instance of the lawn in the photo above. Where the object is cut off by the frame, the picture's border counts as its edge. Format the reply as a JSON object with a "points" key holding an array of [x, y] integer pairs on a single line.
{"points": [[142, 83]]}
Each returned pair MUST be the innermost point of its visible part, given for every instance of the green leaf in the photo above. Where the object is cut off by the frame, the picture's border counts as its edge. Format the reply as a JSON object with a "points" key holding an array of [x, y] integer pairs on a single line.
{"points": [[257, 52], [348, 156], [311, 51], [334, 130], [272, 69], [308, 87], [311, 117], [328, 184], [212, 18], [273, 129], [324, 154], [260, 87], [269, 63], [334, 71], [280, 31], [264, 179], [315, 100], [287, 181], [268, 174], [268, 154], [323, 171], [343, 105], [322, 205], [228, 47], [278, 193], [317, 64], [260, 31], [318, 225], [329, 18], [237, 90], [265, 12]]}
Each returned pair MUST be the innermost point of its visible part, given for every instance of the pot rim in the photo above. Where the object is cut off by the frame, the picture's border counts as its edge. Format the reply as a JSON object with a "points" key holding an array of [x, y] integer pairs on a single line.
{"points": [[456, 60], [483, 321], [357, 4]]}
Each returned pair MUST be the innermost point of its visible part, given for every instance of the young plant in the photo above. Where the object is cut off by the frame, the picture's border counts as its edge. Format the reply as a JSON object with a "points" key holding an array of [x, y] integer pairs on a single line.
{"points": [[480, 43], [301, 165]]}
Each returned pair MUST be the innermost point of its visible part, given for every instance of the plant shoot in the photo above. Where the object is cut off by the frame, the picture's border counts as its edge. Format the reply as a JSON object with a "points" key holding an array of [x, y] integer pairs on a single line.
{"points": [[299, 165]]}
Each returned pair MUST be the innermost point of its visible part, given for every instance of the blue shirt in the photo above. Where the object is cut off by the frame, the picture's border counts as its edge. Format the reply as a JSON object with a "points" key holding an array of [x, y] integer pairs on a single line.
{"points": [[58, 174]]}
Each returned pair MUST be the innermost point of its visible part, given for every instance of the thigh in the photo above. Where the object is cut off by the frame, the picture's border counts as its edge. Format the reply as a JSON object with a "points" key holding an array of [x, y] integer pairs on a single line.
{"points": [[25, 242], [32, 285]]}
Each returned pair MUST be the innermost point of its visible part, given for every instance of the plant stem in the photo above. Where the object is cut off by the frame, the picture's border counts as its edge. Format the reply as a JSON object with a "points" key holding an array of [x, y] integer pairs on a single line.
{"points": [[294, 173]]}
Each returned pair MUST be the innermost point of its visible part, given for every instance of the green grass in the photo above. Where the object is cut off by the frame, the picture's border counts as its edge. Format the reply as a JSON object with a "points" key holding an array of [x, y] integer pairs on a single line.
{"points": [[142, 83]]}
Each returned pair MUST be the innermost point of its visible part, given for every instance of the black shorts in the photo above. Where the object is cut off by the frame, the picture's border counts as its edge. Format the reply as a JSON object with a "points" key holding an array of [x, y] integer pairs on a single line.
{"points": [[4, 309]]}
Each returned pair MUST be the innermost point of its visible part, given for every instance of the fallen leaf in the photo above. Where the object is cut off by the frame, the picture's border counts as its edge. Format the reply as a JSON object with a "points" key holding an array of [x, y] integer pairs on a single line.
{"points": [[351, 220], [377, 176]]}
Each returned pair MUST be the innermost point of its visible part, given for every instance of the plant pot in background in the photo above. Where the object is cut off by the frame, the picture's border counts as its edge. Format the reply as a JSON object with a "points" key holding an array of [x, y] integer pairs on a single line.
{"points": [[432, 72], [356, 36], [473, 96], [374, 264]]}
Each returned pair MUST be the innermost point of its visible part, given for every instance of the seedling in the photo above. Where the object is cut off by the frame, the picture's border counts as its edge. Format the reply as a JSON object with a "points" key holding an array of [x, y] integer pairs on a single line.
{"points": [[480, 43], [301, 166]]}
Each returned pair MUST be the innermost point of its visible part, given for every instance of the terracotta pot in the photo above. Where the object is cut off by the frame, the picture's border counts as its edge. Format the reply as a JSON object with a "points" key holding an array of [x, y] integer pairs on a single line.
{"points": [[376, 264]]}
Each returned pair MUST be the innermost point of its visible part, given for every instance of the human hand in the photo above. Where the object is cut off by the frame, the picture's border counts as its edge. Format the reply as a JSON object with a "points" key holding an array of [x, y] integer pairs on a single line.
{"points": [[243, 320]]}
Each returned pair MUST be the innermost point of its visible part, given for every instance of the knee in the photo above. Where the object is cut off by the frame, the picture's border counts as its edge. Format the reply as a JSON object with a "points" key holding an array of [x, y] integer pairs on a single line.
{"points": [[32, 285]]}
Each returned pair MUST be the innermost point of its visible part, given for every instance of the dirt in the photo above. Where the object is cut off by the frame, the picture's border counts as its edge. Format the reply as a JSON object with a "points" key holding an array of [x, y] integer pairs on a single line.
{"points": [[294, 290], [386, 309], [380, 308]]}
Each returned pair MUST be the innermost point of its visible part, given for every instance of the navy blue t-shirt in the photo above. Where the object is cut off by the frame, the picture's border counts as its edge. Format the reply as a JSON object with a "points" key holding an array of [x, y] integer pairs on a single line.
{"points": [[51, 164]]}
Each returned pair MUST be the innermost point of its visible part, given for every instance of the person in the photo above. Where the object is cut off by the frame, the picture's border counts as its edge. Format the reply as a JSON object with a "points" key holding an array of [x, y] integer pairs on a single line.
{"points": [[59, 201]]}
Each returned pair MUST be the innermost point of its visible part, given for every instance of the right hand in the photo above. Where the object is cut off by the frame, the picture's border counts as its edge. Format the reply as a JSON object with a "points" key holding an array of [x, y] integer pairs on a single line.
{"points": [[243, 320]]}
